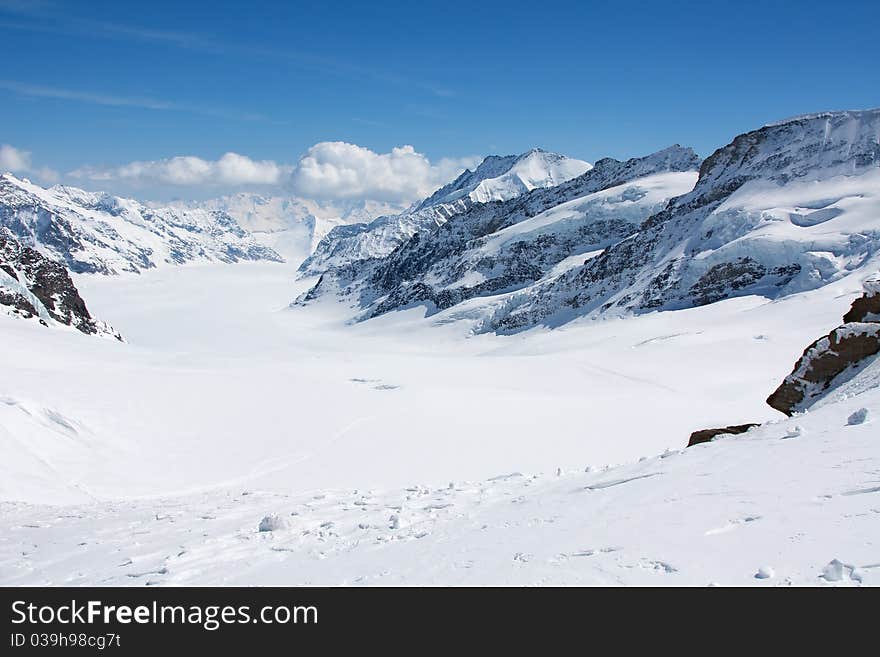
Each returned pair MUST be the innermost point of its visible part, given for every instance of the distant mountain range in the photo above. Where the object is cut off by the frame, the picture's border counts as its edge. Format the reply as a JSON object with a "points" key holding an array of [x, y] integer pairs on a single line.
{"points": [[521, 240], [97, 233], [289, 225]]}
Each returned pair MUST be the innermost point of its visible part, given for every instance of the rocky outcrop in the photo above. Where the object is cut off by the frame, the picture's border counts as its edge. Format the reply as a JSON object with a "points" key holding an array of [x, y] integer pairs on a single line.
{"points": [[867, 307], [32, 286], [828, 362], [706, 435], [833, 358]]}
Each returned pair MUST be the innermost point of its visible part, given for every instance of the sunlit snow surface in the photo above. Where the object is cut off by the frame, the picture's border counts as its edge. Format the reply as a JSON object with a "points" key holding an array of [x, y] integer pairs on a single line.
{"points": [[406, 451]]}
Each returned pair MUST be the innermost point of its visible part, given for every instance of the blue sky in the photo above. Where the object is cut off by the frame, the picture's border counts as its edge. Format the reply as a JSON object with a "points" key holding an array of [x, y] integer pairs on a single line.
{"points": [[106, 83]]}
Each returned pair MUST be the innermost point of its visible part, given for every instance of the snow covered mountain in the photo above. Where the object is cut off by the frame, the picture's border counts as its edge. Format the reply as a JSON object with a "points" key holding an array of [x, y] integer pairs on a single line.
{"points": [[284, 224], [257, 213], [500, 178], [497, 178], [503, 245], [35, 287], [289, 225], [786, 208], [99, 233]]}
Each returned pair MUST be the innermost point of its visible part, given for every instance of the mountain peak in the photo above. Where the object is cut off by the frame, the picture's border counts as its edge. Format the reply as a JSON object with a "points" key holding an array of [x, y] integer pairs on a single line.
{"points": [[502, 177]]}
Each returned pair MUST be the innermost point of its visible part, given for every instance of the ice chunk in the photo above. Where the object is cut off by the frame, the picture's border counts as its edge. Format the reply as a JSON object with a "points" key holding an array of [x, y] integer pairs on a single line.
{"points": [[835, 571], [272, 523], [858, 417], [765, 572]]}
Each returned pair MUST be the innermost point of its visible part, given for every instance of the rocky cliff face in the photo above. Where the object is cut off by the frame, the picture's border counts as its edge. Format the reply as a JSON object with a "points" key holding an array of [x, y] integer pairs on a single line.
{"points": [[834, 358], [103, 234], [34, 287]]}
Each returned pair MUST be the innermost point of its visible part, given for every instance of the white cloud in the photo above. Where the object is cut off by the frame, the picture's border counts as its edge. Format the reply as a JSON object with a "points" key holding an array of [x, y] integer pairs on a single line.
{"points": [[329, 171], [239, 169], [232, 170], [13, 159], [18, 161], [339, 170]]}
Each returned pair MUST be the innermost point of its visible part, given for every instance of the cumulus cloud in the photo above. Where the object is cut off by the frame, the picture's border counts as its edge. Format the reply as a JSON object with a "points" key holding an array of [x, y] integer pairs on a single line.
{"points": [[18, 161], [13, 159], [339, 170], [231, 170], [329, 171]]}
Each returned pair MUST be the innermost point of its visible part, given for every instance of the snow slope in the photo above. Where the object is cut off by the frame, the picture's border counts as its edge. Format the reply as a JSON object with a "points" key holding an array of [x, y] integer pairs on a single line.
{"points": [[219, 382], [721, 513], [99, 233], [136, 469]]}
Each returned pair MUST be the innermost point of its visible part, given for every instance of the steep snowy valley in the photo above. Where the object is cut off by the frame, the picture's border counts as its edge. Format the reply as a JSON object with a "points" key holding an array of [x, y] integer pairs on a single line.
{"points": [[494, 386]]}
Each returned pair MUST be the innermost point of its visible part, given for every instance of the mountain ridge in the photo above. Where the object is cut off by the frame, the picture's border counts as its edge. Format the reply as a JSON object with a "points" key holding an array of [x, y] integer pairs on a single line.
{"points": [[759, 221], [495, 178], [444, 248], [96, 232]]}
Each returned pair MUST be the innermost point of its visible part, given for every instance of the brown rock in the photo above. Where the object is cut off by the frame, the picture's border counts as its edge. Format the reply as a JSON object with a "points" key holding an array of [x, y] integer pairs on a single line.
{"points": [[705, 435], [829, 357], [822, 362], [864, 309]]}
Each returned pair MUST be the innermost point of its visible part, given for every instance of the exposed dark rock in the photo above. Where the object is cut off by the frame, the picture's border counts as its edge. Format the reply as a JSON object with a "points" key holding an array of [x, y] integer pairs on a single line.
{"points": [[864, 309], [17, 303], [823, 362], [705, 435], [840, 352], [31, 285]]}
